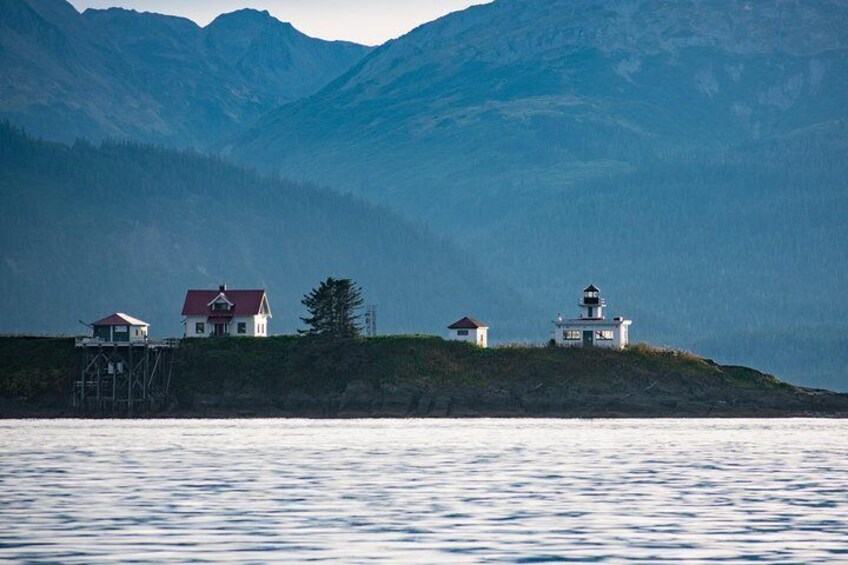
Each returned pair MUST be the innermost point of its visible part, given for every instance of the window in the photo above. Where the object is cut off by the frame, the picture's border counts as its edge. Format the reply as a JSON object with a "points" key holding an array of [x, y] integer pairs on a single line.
{"points": [[220, 305], [242, 327], [461, 332], [591, 297], [121, 333], [604, 335], [199, 328], [572, 335]]}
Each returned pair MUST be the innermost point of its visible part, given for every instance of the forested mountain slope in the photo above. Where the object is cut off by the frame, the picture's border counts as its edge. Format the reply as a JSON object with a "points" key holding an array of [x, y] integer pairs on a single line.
{"points": [[128, 75], [88, 230], [689, 158]]}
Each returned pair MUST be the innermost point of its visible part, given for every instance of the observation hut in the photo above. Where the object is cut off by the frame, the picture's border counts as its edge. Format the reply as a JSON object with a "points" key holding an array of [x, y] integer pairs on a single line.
{"points": [[123, 371]]}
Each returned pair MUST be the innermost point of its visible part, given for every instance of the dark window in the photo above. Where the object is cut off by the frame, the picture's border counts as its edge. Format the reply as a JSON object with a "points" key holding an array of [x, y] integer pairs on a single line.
{"points": [[220, 306], [199, 328], [242, 327], [461, 332]]}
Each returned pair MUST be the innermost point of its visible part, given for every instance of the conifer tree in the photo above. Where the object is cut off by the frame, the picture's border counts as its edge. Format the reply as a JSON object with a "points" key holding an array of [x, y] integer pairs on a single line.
{"points": [[333, 309]]}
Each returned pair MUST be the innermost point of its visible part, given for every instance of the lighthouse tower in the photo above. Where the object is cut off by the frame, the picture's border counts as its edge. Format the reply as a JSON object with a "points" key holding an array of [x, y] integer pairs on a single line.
{"points": [[592, 305], [591, 329]]}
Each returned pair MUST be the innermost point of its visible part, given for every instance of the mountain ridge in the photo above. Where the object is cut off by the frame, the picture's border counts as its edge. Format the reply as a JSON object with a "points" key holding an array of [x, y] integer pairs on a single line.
{"points": [[686, 157], [125, 74], [691, 147]]}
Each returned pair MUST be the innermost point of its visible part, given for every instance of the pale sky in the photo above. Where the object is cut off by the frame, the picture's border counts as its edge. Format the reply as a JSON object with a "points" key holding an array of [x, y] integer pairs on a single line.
{"points": [[365, 21]]}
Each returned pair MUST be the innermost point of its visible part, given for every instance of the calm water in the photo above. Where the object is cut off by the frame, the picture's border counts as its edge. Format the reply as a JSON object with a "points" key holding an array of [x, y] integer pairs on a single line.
{"points": [[444, 491]]}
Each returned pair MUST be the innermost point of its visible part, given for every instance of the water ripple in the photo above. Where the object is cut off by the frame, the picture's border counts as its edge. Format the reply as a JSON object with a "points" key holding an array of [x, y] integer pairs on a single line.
{"points": [[447, 491]]}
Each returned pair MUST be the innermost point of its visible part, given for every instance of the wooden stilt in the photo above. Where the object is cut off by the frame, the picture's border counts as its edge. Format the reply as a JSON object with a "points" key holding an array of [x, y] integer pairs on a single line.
{"points": [[124, 379]]}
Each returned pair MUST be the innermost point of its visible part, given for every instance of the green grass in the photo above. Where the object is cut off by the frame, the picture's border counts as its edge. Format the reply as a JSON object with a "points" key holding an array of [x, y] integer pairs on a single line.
{"points": [[40, 370], [280, 363], [37, 369]]}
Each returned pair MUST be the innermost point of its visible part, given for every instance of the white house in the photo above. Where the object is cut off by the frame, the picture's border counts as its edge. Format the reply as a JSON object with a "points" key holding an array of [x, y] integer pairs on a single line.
{"points": [[469, 330], [226, 312], [120, 327], [592, 329]]}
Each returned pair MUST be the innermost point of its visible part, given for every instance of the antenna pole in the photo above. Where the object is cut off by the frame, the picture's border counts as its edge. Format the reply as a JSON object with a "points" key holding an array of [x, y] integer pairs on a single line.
{"points": [[371, 321]]}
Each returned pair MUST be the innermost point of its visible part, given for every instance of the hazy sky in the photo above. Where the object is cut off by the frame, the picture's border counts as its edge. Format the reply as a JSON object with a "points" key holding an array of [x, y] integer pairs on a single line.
{"points": [[364, 21]]}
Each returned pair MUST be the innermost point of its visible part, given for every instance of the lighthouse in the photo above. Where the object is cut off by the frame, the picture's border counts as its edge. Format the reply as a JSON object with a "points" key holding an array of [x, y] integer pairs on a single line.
{"points": [[592, 328], [592, 305]]}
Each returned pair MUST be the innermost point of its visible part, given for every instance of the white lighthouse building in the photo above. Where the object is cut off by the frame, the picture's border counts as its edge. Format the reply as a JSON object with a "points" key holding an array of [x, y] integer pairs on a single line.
{"points": [[592, 329]]}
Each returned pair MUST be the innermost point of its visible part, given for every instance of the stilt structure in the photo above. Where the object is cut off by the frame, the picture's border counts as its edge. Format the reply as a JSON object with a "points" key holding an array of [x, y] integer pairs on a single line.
{"points": [[123, 378]]}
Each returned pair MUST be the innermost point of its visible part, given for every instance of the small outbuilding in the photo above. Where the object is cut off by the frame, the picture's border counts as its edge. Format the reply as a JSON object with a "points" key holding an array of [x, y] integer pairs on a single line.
{"points": [[120, 327], [469, 330]]}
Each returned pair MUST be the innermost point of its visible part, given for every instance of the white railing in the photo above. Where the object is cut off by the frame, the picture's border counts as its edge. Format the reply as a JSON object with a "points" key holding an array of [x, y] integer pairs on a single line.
{"points": [[97, 342]]}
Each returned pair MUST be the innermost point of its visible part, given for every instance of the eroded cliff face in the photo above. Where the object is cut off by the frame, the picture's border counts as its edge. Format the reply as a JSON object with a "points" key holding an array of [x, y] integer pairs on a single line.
{"points": [[629, 397]]}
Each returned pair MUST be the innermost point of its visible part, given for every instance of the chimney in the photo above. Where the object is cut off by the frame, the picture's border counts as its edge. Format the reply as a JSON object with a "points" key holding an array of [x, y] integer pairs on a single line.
{"points": [[223, 287]]}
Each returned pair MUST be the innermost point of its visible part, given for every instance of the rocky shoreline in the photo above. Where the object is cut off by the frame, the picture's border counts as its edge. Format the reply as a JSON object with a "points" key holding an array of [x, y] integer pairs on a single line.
{"points": [[420, 377]]}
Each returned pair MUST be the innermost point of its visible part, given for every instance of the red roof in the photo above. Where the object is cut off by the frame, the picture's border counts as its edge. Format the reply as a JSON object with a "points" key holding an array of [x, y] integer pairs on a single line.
{"points": [[119, 319], [467, 324], [245, 302]]}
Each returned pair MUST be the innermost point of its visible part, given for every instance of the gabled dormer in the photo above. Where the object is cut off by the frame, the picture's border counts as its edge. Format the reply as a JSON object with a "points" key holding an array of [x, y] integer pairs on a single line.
{"points": [[221, 303]]}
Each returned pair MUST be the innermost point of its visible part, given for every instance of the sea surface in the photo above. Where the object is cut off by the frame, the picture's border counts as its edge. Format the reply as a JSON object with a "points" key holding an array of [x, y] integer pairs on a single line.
{"points": [[424, 491]]}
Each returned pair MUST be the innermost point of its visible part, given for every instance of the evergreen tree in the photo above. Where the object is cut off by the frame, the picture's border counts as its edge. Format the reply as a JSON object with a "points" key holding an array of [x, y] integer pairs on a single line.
{"points": [[333, 309], [319, 303]]}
